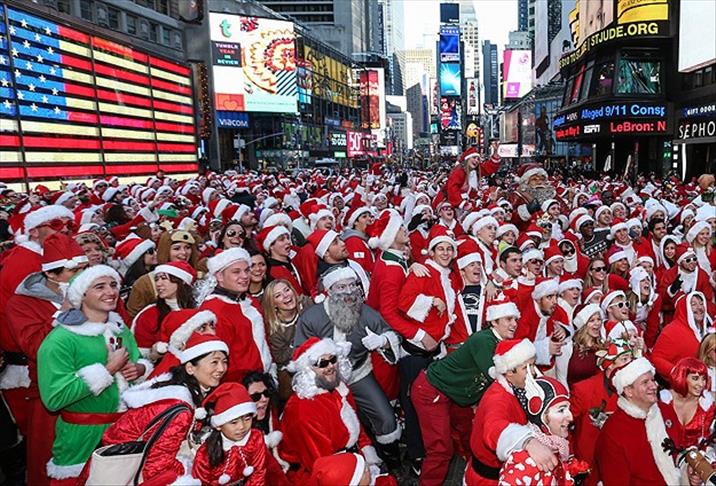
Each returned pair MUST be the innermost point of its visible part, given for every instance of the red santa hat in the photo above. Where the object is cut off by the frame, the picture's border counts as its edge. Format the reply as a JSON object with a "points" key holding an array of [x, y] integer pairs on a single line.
{"points": [[589, 293], [546, 205], [345, 468], [609, 298], [534, 231], [45, 214], [630, 373], [181, 270], [307, 354], [643, 257], [470, 153], [61, 251], [318, 212], [231, 401], [269, 234], [617, 329], [439, 234], [223, 259], [467, 252], [582, 220], [683, 251], [206, 194], [506, 228], [384, 230], [545, 286], [239, 212], [552, 252], [201, 344], [340, 273], [696, 229], [583, 314], [600, 210], [354, 213], [83, 280], [526, 171], [469, 220], [532, 254], [483, 222], [321, 241], [499, 309], [615, 254], [525, 243], [576, 213], [511, 353], [61, 197], [617, 224], [132, 249], [179, 325], [566, 282]]}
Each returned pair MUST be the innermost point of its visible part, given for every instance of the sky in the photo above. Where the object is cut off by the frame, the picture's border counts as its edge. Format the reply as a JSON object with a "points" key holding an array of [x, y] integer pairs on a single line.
{"points": [[495, 18]]}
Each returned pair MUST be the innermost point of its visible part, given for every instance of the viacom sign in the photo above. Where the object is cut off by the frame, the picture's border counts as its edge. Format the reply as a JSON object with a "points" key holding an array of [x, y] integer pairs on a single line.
{"points": [[232, 119]]}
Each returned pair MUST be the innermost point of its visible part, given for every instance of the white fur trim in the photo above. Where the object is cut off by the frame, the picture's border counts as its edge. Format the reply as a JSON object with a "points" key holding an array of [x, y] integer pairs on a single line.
{"points": [[506, 228], [258, 332], [221, 205], [343, 273], [531, 173], [370, 455], [82, 282], [349, 418], [185, 277], [630, 373], [15, 376], [148, 368], [186, 480], [618, 255], [181, 335], [616, 227], [65, 263], [45, 214], [468, 259], [511, 439], [696, 229], [543, 289], [585, 314], [280, 219], [357, 214], [143, 394], [532, 254], [315, 217], [508, 309], [523, 212], [325, 242], [96, 377], [706, 401], [200, 349], [137, 252], [390, 437], [519, 354], [420, 308], [469, 220], [55, 471], [273, 235], [272, 439], [232, 413], [571, 283], [225, 258], [482, 222], [440, 239], [387, 237], [358, 471]]}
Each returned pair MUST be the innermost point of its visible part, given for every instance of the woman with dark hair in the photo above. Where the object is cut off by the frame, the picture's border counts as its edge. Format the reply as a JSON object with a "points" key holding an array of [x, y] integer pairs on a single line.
{"points": [[233, 235], [173, 283], [260, 277], [203, 364]]}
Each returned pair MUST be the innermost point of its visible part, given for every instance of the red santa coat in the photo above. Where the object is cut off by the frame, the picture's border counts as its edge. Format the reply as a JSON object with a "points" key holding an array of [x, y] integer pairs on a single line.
{"points": [[241, 327], [521, 469], [687, 435], [459, 187], [700, 284], [164, 465], [251, 451], [628, 450], [288, 272], [499, 428], [306, 263], [318, 426], [418, 243], [538, 328], [145, 327], [521, 217], [652, 323], [360, 252]]}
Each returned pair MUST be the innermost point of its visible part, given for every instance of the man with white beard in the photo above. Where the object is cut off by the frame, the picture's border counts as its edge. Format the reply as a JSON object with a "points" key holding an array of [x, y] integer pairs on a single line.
{"points": [[344, 317]]}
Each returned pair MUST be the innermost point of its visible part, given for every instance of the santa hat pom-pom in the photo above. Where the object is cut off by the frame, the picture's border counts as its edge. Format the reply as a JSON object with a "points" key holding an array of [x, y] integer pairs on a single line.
{"points": [[373, 242], [161, 347], [224, 479], [200, 413], [424, 251], [248, 471], [492, 372]]}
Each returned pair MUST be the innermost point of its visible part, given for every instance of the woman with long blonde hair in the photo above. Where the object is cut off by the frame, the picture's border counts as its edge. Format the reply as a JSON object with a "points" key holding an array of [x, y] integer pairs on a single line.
{"points": [[707, 354]]}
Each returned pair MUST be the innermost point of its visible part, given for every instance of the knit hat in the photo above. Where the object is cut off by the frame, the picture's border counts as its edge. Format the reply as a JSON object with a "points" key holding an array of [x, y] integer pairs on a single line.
{"points": [[345, 468], [630, 373], [545, 286], [615, 348], [181, 270], [439, 234], [511, 353], [543, 393], [132, 249], [566, 282], [231, 401], [467, 252], [584, 314], [178, 326], [384, 230], [269, 234], [45, 214], [223, 259], [81, 282], [696, 229], [336, 275], [201, 344], [321, 241], [609, 298], [61, 251], [499, 309]]}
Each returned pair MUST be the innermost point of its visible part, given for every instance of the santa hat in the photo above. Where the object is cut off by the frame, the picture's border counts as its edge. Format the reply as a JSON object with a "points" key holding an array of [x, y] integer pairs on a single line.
{"points": [[206, 194], [109, 194], [499, 309], [336, 275], [506, 228], [545, 286], [483, 222], [552, 252], [354, 213], [439, 234], [609, 298], [467, 252], [576, 214], [345, 468], [83, 280], [218, 206], [62, 197], [532, 254], [584, 314], [469, 220], [616, 329], [181, 270], [201, 344], [543, 393], [615, 254], [131, 249], [511, 353], [239, 212], [600, 210], [534, 231], [179, 325], [223, 259], [321, 241], [589, 293], [279, 219], [307, 354], [318, 212], [45, 214], [61, 251], [630, 373], [526, 171], [269, 234], [696, 229], [546, 205], [617, 225], [615, 348], [683, 251], [470, 153], [636, 275], [582, 220], [384, 230], [705, 213], [566, 283], [231, 401]]}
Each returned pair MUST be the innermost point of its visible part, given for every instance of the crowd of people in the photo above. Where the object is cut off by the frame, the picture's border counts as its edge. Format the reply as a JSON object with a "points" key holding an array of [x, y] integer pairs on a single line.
{"points": [[359, 327]]}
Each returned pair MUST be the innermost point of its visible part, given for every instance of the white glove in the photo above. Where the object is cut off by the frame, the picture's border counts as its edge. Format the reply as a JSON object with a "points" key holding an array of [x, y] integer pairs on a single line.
{"points": [[373, 341], [371, 456]]}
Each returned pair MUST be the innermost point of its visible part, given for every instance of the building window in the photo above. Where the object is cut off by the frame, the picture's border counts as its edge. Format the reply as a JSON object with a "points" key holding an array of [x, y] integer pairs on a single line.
{"points": [[131, 24], [113, 16], [603, 79], [166, 36], [63, 6], [587, 81], [153, 32], [162, 6], [86, 9], [639, 76]]}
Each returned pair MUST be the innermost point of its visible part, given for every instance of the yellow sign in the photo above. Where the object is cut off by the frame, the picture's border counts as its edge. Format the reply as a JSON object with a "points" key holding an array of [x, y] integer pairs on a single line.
{"points": [[642, 10], [471, 131]]}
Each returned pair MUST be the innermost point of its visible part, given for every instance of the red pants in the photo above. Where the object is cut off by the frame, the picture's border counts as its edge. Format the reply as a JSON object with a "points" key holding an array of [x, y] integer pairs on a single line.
{"points": [[438, 417], [40, 437]]}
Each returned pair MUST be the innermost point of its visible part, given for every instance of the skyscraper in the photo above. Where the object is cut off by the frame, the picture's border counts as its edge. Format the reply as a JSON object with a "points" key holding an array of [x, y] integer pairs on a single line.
{"points": [[490, 72], [522, 14], [394, 42]]}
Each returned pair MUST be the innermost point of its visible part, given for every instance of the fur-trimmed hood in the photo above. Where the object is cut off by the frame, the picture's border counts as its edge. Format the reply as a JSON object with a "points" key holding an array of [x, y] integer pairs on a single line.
{"points": [[143, 394]]}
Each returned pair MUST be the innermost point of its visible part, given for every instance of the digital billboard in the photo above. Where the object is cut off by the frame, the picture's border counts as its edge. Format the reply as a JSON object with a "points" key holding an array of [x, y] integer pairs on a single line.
{"points": [[449, 13], [450, 79], [517, 73], [372, 100], [254, 64], [449, 44], [434, 96], [473, 96], [80, 105], [450, 114]]}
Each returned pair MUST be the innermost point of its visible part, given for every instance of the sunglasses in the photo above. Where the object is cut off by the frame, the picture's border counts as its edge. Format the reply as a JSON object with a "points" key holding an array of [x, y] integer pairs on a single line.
{"points": [[599, 269], [325, 363], [232, 233], [255, 397], [621, 305], [689, 260], [59, 225], [569, 251]]}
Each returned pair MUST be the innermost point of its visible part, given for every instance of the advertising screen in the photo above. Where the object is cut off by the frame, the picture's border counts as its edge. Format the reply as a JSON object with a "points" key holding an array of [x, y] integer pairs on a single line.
{"points": [[434, 96], [372, 105], [450, 79], [517, 73], [80, 105], [449, 13], [473, 97], [449, 44], [450, 114], [254, 64]]}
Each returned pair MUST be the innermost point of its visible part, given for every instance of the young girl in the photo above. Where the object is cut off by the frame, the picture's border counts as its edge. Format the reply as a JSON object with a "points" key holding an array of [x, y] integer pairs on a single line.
{"points": [[234, 451]]}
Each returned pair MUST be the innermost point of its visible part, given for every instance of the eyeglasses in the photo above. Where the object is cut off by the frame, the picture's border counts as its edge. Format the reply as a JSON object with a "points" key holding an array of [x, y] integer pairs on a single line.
{"points": [[255, 397], [621, 305], [59, 225], [325, 363], [232, 233], [599, 269]]}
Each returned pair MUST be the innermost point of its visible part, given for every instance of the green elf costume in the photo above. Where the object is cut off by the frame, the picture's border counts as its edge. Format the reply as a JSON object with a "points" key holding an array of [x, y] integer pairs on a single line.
{"points": [[74, 381]]}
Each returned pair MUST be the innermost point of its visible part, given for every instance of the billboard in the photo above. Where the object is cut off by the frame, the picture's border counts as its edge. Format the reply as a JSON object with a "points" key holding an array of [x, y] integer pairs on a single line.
{"points": [[372, 100], [449, 13], [449, 44], [450, 113], [473, 96], [694, 53], [517, 73], [450, 79], [639, 10], [254, 64], [434, 96], [80, 105]]}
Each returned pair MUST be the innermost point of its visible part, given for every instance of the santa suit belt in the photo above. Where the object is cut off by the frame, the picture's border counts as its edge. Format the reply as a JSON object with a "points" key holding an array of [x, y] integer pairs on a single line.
{"points": [[487, 472], [12, 358], [78, 418], [354, 449], [414, 350]]}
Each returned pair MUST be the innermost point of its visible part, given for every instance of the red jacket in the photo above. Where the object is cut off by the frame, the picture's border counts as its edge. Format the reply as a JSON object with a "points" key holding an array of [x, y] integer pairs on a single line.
{"points": [[145, 327], [360, 252], [538, 329], [286, 271], [702, 285], [306, 263], [652, 323], [418, 243], [253, 453], [389, 276]]}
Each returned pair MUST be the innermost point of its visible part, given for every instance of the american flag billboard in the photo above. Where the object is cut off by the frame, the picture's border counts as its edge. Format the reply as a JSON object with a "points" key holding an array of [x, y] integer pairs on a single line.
{"points": [[74, 104]]}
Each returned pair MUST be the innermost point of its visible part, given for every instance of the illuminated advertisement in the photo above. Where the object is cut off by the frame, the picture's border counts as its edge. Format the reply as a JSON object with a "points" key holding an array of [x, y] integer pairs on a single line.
{"points": [[434, 96], [372, 97], [450, 114], [450, 79], [254, 64], [473, 99], [612, 119], [330, 78], [638, 10], [449, 44], [359, 143], [73, 104], [517, 73], [697, 122]]}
